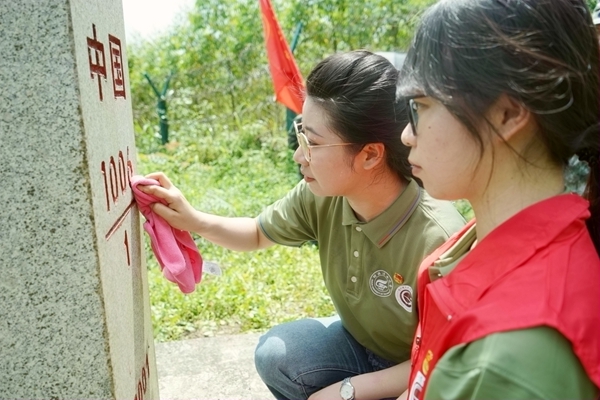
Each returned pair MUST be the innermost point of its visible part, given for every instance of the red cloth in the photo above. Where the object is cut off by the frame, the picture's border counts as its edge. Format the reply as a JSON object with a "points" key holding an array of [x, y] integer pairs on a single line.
{"points": [[538, 268], [176, 252], [287, 80]]}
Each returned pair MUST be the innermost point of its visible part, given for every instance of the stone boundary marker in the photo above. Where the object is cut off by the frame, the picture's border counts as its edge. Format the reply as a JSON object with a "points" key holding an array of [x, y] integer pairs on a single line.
{"points": [[74, 308]]}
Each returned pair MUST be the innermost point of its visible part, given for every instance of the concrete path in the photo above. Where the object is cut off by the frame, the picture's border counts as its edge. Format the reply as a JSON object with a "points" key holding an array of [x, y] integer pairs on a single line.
{"points": [[212, 368]]}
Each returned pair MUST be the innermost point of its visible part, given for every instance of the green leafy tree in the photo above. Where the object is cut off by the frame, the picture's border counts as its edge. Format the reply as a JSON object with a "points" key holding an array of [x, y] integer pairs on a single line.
{"points": [[222, 81]]}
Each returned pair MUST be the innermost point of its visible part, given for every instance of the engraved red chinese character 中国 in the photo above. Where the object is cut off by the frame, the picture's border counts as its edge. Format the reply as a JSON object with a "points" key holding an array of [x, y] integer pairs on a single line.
{"points": [[116, 61], [96, 59]]}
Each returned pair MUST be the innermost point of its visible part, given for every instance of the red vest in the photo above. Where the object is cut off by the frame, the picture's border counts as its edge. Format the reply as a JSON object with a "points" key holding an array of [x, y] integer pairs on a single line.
{"points": [[539, 267]]}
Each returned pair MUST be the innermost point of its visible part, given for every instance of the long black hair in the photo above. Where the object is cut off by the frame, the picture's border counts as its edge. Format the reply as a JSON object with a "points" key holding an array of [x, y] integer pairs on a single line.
{"points": [[357, 90], [542, 53]]}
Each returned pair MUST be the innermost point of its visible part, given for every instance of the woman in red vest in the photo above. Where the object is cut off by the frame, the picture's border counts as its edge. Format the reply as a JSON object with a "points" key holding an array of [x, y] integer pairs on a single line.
{"points": [[503, 94]]}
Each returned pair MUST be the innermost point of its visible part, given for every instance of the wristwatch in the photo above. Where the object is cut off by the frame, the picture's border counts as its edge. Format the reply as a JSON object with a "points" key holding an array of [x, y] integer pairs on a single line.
{"points": [[347, 390]]}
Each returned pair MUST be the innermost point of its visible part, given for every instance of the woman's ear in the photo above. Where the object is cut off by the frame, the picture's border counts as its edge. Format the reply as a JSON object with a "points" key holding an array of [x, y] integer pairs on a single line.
{"points": [[372, 155], [509, 117]]}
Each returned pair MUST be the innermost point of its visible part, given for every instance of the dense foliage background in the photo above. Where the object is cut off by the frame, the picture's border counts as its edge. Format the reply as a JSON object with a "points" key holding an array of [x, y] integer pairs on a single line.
{"points": [[228, 149], [221, 80]]}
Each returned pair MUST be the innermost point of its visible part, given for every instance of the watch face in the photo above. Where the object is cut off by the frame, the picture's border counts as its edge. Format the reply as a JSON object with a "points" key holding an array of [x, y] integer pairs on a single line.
{"points": [[347, 391]]}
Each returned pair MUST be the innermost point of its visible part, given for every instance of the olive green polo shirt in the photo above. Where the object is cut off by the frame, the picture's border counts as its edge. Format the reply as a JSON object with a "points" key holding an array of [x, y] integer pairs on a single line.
{"points": [[369, 268], [535, 363]]}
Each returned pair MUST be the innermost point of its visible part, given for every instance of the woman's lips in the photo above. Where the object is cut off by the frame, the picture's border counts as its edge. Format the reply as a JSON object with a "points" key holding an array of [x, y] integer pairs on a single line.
{"points": [[415, 169], [306, 178]]}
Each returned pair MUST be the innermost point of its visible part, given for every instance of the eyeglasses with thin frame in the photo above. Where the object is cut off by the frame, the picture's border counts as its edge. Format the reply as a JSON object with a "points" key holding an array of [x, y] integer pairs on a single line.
{"points": [[303, 142], [413, 112]]}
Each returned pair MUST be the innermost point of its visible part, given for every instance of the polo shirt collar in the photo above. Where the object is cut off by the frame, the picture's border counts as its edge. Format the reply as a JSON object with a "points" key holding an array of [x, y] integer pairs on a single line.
{"points": [[381, 228]]}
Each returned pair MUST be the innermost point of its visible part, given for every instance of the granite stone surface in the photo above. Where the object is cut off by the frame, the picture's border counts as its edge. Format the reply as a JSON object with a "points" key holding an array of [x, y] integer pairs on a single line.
{"points": [[75, 315]]}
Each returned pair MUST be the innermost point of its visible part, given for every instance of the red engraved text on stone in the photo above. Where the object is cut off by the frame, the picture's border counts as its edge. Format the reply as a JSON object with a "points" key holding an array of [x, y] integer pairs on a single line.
{"points": [[117, 176], [126, 242], [116, 62], [123, 181], [142, 385], [114, 189], [96, 59]]}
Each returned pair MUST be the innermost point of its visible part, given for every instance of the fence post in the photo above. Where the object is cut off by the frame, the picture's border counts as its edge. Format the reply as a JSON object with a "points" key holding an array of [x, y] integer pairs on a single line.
{"points": [[161, 107]]}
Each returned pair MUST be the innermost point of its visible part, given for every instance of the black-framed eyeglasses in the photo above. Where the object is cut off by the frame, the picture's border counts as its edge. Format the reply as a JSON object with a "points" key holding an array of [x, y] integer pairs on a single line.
{"points": [[303, 142], [413, 112]]}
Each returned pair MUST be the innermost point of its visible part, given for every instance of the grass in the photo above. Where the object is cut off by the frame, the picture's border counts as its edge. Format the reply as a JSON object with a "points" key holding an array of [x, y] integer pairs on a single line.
{"points": [[257, 290]]}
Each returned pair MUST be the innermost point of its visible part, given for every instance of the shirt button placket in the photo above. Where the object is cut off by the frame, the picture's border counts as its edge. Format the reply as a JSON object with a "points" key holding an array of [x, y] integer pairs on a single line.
{"points": [[354, 279], [354, 269]]}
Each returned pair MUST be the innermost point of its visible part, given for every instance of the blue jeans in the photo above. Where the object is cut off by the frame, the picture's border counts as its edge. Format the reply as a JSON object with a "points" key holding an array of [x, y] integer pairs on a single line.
{"points": [[299, 358]]}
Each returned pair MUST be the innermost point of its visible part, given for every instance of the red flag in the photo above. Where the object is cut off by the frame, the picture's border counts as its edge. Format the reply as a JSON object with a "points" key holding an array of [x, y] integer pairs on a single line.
{"points": [[287, 80]]}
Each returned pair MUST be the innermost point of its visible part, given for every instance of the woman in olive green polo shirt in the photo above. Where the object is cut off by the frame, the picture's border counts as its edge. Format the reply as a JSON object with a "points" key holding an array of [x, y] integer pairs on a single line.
{"points": [[372, 221]]}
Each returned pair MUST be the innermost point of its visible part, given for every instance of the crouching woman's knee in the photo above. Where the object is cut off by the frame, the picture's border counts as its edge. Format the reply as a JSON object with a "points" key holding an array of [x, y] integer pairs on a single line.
{"points": [[270, 358]]}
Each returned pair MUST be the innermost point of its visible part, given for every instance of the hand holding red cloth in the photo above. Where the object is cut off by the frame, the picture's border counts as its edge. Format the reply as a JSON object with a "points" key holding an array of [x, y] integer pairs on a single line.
{"points": [[176, 252]]}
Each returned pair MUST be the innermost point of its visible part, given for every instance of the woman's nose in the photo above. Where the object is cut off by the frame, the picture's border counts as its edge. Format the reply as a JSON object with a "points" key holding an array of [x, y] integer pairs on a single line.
{"points": [[408, 136], [299, 157]]}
